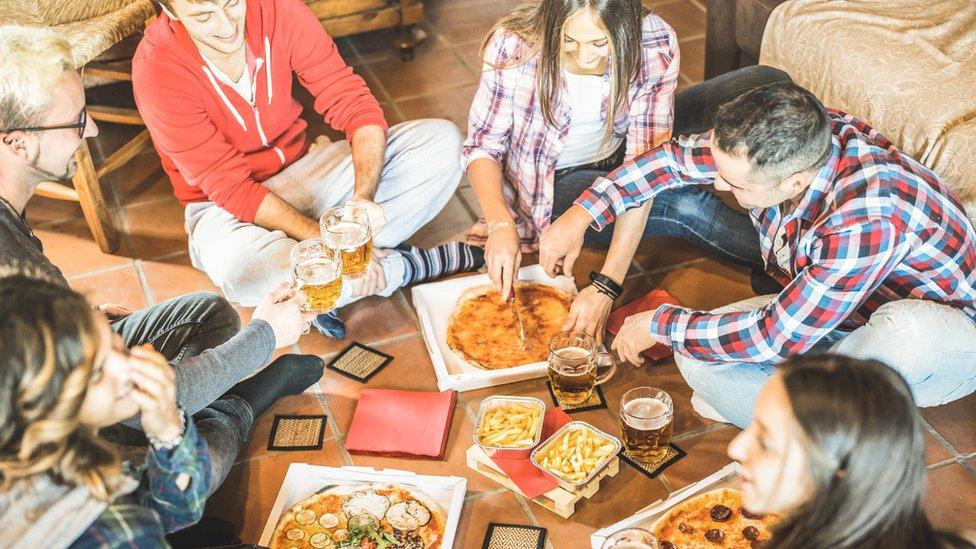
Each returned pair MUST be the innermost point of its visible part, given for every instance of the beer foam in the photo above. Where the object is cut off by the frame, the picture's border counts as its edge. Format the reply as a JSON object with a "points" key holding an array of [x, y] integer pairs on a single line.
{"points": [[347, 235], [646, 414], [572, 353]]}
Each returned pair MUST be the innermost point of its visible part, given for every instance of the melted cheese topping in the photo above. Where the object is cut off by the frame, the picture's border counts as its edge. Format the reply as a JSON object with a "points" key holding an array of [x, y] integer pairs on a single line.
{"points": [[485, 333]]}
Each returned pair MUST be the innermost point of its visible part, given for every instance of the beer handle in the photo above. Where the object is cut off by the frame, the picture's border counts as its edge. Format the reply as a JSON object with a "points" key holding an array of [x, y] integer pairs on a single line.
{"points": [[602, 359]]}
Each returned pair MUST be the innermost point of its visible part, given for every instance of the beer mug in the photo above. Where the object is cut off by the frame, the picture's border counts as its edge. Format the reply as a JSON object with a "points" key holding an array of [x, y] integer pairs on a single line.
{"points": [[347, 229], [317, 272], [631, 538], [573, 363], [647, 422]]}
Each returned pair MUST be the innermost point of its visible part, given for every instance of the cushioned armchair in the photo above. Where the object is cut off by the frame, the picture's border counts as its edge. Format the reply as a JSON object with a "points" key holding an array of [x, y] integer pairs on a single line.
{"points": [[734, 33]]}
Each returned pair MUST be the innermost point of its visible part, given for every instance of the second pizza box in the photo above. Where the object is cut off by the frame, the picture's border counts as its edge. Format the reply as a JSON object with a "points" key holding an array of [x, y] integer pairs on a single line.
{"points": [[726, 477], [303, 480], [435, 303]]}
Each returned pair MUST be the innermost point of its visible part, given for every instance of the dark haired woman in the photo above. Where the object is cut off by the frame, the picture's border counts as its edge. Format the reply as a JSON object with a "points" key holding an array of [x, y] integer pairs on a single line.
{"points": [[836, 446], [569, 90], [63, 376]]}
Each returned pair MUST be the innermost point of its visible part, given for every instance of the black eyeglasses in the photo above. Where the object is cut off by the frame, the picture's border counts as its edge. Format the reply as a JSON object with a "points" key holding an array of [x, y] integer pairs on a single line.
{"points": [[79, 125]]}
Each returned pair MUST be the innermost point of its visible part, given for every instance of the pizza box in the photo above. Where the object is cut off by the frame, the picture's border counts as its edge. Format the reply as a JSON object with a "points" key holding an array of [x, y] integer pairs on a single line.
{"points": [[435, 303], [726, 477], [302, 480]]}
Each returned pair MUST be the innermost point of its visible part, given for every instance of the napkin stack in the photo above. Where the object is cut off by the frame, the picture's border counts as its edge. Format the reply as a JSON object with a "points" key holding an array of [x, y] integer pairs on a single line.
{"points": [[401, 423]]}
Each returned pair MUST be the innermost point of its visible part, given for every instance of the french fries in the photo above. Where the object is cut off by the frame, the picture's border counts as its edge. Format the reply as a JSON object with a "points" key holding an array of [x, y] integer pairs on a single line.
{"points": [[575, 454], [511, 425]]}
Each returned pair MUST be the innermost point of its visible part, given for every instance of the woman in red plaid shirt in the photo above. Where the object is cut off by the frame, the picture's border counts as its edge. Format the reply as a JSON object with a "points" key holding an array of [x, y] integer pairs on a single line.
{"points": [[569, 90]]}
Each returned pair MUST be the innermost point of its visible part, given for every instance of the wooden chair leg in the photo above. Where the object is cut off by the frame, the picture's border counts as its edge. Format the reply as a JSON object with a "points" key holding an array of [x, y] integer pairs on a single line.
{"points": [[93, 203]]}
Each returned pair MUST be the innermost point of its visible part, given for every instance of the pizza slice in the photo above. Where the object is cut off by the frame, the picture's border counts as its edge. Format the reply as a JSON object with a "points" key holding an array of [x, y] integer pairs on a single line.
{"points": [[714, 519]]}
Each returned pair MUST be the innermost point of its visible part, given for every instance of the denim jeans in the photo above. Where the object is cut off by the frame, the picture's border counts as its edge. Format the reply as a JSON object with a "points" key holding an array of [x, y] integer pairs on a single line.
{"points": [[695, 214], [932, 345], [420, 174], [190, 332]]}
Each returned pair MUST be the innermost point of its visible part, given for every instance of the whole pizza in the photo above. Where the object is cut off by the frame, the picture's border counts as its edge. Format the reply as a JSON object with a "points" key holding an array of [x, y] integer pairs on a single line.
{"points": [[713, 519], [484, 329], [374, 516]]}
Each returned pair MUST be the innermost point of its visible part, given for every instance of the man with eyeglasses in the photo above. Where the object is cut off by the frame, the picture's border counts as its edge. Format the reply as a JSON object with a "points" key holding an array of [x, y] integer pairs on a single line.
{"points": [[42, 124], [874, 252]]}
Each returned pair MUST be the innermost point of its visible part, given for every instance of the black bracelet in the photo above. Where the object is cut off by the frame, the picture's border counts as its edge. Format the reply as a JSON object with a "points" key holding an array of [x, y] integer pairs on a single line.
{"points": [[606, 284]]}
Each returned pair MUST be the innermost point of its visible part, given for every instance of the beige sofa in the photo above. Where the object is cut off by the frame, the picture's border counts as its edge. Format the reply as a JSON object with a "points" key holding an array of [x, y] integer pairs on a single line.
{"points": [[907, 67]]}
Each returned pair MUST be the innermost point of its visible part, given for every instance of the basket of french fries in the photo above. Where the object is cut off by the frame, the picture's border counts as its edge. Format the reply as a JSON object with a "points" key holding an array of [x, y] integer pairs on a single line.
{"points": [[509, 427], [575, 454]]}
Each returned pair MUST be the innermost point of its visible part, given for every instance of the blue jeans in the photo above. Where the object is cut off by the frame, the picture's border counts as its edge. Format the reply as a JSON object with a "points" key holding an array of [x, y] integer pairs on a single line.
{"points": [[182, 329], [933, 346]]}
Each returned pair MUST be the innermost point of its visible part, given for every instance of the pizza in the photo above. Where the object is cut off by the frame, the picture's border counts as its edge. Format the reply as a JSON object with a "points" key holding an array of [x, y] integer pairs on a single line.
{"points": [[713, 519], [484, 330], [373, 516]]}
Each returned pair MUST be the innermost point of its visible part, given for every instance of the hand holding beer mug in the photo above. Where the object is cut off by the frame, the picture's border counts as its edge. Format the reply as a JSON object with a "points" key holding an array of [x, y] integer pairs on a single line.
{"points": [[573, 363], [631, 538], [647, 422], [346, 228], [317, 272]]}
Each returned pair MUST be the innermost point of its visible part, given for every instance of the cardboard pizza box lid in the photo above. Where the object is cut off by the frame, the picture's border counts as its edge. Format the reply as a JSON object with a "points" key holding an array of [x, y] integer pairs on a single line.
{"points": [[726, 477], [303, 480]]}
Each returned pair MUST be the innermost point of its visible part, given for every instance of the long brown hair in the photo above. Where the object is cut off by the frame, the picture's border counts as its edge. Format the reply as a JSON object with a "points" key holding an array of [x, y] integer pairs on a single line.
{"points": [[862, 436], [48, 345], [539, 23]]}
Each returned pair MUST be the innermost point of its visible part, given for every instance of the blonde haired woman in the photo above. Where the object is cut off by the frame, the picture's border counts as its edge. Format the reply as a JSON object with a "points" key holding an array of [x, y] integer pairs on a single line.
{"points": [[570, 90]]}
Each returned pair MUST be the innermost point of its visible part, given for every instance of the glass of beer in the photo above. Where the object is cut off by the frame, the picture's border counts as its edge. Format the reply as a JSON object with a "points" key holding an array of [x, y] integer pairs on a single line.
{"points": [[573, 363], [631, 538], [347, 229], [317, 272], [646, 420]]}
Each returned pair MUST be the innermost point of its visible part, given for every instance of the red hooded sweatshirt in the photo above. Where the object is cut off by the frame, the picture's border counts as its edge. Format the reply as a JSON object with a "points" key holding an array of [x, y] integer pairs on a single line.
{"points": [[215, 145]]}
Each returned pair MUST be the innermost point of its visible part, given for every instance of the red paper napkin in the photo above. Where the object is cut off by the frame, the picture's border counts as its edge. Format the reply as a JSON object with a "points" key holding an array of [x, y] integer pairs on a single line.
{"points": [[531, 480], [649, 302], [401, 423]]}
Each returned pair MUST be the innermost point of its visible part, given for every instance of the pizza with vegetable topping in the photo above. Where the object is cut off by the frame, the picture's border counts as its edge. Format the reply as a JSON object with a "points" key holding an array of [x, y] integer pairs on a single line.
{"points": [[713, 519], [373, 516]]}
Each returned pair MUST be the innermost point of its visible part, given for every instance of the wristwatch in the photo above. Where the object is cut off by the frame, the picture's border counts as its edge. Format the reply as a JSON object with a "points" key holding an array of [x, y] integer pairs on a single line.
{"points": [[168, 445]]}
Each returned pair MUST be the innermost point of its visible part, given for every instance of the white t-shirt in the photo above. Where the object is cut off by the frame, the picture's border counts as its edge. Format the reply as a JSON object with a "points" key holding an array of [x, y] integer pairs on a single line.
{"points": [[584, 141], [243, 84]]}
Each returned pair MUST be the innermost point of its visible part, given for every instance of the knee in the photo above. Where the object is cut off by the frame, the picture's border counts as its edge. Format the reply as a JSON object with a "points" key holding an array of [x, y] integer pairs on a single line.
{"points": [[246, 281], [221, 314], [764, 74]]}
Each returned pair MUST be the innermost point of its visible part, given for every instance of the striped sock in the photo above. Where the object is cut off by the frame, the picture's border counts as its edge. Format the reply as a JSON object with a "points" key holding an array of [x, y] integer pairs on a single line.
{"points": [[430, 263]]}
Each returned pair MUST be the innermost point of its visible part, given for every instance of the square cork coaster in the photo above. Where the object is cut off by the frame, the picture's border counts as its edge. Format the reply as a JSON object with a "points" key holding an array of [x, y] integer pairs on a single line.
{"points": [[359, 362], [297, 433], [654, 468], [595, 402], [514, 536]]}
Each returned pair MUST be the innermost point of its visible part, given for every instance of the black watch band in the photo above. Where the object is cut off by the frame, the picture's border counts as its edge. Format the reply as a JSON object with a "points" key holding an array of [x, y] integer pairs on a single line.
{"points": [[606, 285]]}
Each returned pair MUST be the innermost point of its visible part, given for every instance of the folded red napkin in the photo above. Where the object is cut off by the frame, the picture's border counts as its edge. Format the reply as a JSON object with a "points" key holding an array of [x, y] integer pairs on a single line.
{"points": [[648, 302], [531, 480], [401, 423]]}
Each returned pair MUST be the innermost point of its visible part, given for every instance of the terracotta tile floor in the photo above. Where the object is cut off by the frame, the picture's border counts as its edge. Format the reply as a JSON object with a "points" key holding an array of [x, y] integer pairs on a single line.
{"points": [[439, 82]]}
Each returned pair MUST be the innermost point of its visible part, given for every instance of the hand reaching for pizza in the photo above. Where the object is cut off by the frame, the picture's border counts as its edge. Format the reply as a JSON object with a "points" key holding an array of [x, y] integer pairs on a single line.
{"points": [[561, 242], [503, 255], [589, 313], [634, 337]]}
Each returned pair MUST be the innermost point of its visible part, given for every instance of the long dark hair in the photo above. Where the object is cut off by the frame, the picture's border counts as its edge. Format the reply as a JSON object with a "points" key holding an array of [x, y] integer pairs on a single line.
{"points": [[864, 444], [540, 24], [48, 346]]}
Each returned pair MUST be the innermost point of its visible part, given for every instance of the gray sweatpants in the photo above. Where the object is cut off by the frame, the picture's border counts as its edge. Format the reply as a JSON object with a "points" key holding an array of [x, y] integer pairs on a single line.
{"points": [[420, 174]]}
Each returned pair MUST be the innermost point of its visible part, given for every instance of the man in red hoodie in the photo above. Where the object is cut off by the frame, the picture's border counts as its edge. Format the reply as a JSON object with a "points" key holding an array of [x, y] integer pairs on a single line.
{"points": [[213, 81]]}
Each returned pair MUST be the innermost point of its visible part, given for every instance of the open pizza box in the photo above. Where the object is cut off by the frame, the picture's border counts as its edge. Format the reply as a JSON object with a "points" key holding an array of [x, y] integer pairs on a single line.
{"points": [[726, 477], [302, 480], [435, 303]]}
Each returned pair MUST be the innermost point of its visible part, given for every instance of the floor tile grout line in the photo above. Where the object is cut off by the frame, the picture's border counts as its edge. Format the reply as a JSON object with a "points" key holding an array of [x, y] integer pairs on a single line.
{"points": [[146, 290], [969, 468], [428, 94], [101, 270], [940, 464], [691, 38], [679, 265], [703, 430], [700, 6], [940, 439]]}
